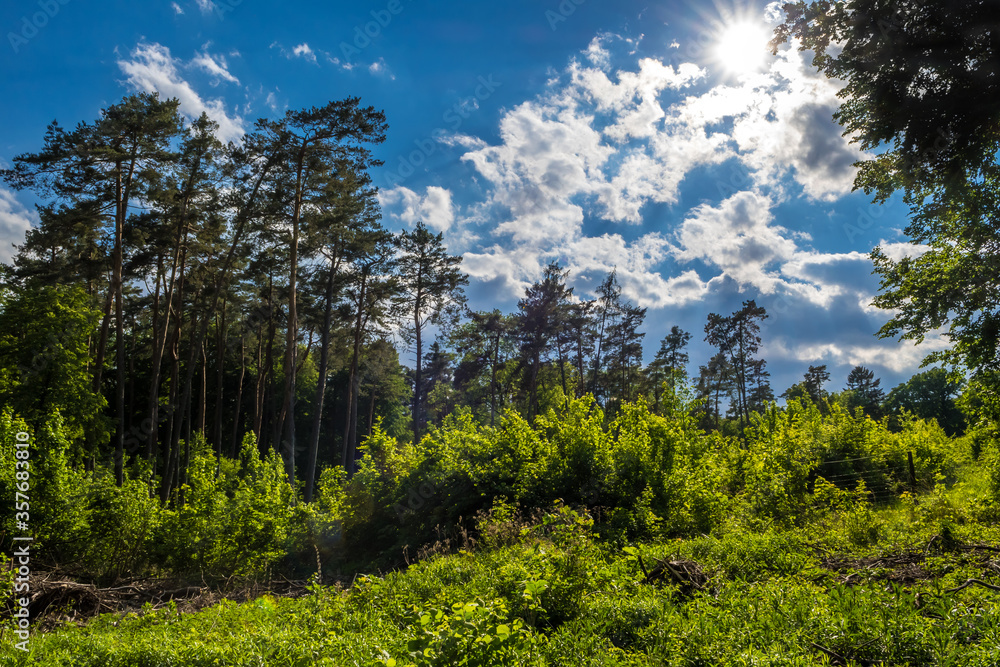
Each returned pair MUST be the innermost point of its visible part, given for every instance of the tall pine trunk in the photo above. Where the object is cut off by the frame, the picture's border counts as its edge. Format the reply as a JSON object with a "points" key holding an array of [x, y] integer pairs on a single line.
{"points": [[116, 289], [418, 371], [349, 451], [160, 340], [324, 360], [220, 350], [291, 333], [234, 444]]}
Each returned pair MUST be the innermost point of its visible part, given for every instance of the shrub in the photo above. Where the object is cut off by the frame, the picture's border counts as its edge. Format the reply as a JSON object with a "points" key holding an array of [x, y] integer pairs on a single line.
{"points": [[234, 517], [476, 634], [123, 523]]}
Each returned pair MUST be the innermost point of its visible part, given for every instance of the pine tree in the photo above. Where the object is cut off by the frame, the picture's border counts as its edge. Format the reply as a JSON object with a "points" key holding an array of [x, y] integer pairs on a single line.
{"points": [[865, 391], [668, 366], [540, 324], [738, 337], [102, 169], [432, 284]]}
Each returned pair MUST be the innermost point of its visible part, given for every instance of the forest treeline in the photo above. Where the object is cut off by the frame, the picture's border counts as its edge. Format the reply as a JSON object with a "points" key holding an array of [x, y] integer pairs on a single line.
{"points": [[199, 377], [177, 287]]}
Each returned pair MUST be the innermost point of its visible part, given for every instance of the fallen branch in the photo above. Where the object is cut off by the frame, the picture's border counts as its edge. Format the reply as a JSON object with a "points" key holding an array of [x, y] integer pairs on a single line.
{"points": [[837, 658], [970, 582], [980, 547], [642, 566]]}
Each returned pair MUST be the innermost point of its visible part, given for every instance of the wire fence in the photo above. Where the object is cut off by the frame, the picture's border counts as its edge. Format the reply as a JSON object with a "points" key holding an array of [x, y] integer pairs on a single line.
{"points": [[883, 480]]}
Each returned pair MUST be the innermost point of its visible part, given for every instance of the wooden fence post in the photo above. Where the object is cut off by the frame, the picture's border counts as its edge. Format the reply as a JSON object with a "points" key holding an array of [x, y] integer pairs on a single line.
{"points": [[913, 474]]}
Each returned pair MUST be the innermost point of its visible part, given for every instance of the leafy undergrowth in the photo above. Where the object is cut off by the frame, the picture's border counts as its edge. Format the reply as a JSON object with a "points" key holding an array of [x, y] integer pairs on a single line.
{"points": [[914, 583]]}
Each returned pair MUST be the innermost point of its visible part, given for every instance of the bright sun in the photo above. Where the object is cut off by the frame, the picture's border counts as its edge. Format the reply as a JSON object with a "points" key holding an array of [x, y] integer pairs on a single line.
{"points": [[742, 47]]}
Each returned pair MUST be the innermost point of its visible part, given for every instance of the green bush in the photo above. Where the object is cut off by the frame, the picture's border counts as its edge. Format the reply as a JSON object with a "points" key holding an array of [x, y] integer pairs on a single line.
{"points": [[124, 521], [58, 493], [233, 517], [473, 634]]}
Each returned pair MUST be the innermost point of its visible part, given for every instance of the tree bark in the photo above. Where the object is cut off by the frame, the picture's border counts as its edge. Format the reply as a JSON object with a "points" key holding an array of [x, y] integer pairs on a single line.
{"points": [[418, 370], [291, 331], [159, 341], [203, 392], [220, 350], [233, 447], [348, 450], [220, 278], [116, 289], [324, 360]]}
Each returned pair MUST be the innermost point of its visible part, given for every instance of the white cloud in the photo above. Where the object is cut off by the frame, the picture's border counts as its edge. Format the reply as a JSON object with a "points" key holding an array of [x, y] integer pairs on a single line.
{"points": [[516, 268], [272, 101], [556, 163], [597, 53], [773, 13], [897, 251], [206, 6], [177, 8], [897, 357], [151, 68], [435, 208], [790, 127], [379, 68], [600, 144], [337, 62], [304, 51], [593, 257], [738, 237], [214, 65], [635, 265], [15, 220]]}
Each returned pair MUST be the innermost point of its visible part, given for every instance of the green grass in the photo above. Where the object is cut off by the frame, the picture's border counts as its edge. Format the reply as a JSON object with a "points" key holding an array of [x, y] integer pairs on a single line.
{"points": [[558, 596]]}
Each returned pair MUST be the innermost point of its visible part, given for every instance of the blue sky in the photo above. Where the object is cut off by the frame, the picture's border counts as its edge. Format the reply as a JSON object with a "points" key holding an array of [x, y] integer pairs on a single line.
{"points": [[658, 139]]}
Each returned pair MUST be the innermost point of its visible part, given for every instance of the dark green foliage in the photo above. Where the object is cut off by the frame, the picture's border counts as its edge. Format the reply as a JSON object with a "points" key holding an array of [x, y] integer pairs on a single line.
{"points": [[714, 384], [928, 395], [670, 364], [44, 361], [432, 290], [865, 392], [811, 388], [920, 78], [737, 337], [542, 330]]}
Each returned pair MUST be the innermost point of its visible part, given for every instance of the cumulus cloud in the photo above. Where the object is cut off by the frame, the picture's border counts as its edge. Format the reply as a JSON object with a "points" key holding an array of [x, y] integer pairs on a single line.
{"points": [[435, 208], [206, 6], [177, 8], [15, 221], [575, 171], [605, 143], [305, 52], [897, 251], [151, 68], [597, 53], [738, 237], [894, 356], [789, 127]]}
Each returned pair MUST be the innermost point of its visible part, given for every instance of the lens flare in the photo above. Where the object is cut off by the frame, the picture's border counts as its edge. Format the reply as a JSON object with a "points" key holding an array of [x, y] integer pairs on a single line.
{"points": [[742, 48]]}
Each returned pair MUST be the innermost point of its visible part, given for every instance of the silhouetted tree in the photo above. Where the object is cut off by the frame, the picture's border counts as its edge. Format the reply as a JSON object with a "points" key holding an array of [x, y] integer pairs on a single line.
{"points": [[865, 391], [432, 284]]}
